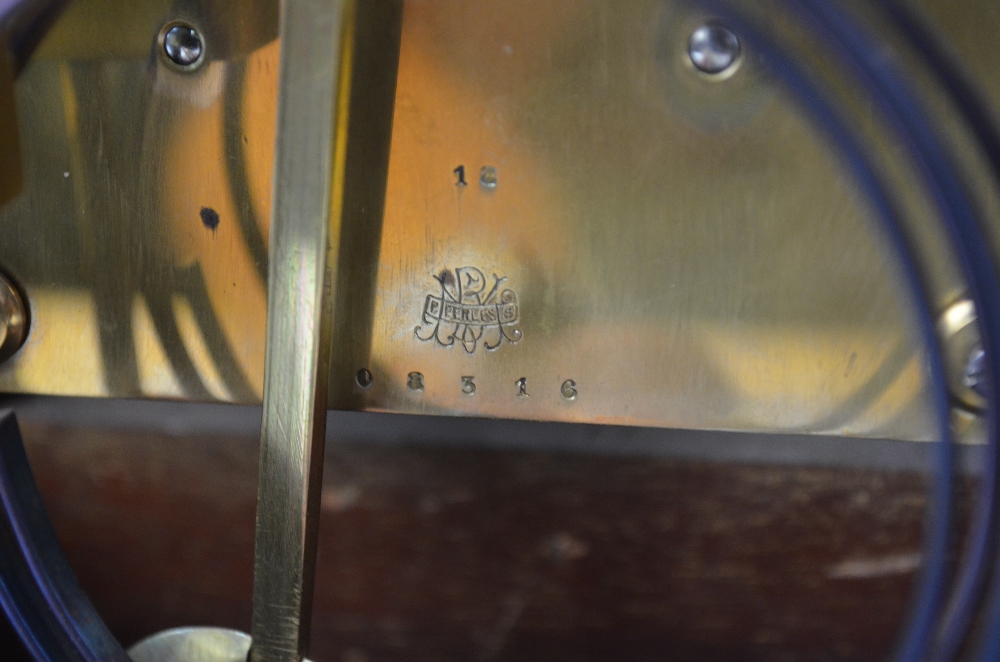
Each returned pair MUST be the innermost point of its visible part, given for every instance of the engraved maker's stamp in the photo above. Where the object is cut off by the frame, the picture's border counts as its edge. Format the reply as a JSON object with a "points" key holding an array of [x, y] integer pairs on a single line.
{"points": [[466, 312]]}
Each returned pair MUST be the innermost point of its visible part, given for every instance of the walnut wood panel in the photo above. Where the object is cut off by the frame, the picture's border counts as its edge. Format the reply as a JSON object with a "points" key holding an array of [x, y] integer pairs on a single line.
{"points": [[447, 554]]}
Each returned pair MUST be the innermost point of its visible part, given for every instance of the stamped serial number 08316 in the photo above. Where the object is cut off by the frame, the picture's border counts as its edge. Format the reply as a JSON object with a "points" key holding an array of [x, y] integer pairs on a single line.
{"points": [[415, 382]]}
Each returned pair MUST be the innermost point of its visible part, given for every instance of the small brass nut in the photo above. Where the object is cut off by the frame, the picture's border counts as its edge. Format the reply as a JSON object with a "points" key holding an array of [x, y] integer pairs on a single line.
{"points": [[13, 319]]}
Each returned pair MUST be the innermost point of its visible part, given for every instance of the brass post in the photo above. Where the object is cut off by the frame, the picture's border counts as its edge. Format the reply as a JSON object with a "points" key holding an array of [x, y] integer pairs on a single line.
{"points": [[316, 45]]}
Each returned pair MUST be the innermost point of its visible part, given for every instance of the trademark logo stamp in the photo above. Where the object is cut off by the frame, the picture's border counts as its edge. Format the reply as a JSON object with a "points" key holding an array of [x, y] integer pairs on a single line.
{"points": [[466, 313]]}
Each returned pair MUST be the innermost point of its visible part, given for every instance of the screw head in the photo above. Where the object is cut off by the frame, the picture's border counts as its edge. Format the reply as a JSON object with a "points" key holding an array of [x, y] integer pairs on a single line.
{"points": [[965, 360], [182, 45], [714, 49], [975, 371], [13, 319]]}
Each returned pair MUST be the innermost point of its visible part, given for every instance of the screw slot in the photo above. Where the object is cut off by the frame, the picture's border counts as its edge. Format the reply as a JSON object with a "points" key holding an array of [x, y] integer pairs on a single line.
{"points": [[182, 46]]}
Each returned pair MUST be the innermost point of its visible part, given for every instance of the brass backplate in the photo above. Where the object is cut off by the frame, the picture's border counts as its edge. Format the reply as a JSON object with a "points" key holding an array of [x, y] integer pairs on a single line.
{"points": [[548, 214]]}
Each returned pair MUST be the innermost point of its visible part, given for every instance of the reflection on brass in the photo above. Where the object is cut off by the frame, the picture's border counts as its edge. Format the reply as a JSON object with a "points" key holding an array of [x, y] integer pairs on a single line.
{"points": [[13, 319], [197, 644], [681, 250]]}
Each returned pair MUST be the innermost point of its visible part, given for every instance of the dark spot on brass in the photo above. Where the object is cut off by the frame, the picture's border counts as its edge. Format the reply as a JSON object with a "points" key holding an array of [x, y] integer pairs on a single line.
{"points": [[446, 278], [364, 378], [209, 218]]}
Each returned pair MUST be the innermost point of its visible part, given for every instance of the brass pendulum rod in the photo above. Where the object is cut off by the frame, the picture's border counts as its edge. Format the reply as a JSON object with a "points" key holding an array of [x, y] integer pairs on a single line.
{"points": [[316, 43]]}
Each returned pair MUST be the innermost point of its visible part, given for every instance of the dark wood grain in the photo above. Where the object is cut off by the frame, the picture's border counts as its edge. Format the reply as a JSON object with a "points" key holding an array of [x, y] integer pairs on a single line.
{"points": [[449, 554]]}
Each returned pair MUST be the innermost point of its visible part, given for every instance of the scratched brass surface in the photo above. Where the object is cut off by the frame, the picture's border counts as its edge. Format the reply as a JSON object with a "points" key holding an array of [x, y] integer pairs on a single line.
{"points": [[310, 159], [676, 251]]}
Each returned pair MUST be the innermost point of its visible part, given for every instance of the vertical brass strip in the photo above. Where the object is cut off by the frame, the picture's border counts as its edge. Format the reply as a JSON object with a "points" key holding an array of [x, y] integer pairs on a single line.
{"points": [[316, 43], [377, 33]]}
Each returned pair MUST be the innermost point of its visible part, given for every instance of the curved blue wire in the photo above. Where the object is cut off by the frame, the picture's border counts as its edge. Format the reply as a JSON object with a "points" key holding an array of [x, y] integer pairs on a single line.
{"points": [[970, 584], [885, 86], [971, 246]]}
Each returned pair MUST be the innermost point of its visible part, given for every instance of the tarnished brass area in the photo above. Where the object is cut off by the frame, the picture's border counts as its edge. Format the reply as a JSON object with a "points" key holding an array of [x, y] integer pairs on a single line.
{"points": [[566, 222]]}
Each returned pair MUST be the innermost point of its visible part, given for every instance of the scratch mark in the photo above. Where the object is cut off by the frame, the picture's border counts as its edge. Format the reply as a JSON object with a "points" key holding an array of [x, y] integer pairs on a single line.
{"points": [[883, 566]]}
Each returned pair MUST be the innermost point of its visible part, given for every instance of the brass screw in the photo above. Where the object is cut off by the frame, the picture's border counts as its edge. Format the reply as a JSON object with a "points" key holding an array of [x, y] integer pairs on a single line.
{"points": [[182, 45], [715, 50], [13, 319], [975, 371], [964, 357]]}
